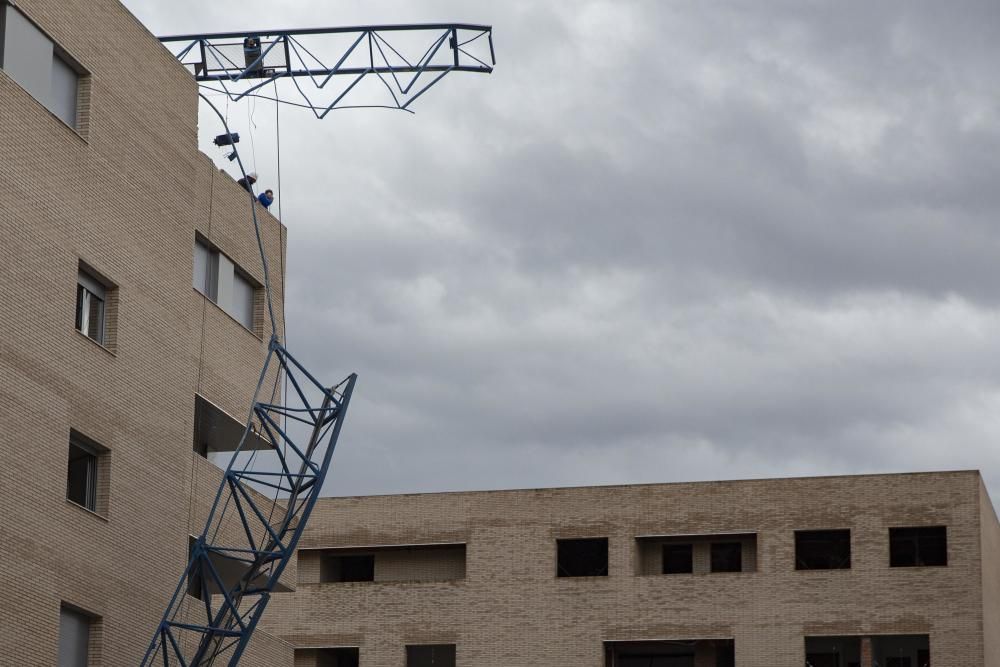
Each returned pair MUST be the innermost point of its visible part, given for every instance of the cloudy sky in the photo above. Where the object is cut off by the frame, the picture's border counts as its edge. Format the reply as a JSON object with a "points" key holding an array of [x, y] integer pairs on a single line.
{"points": [[662, 241]]}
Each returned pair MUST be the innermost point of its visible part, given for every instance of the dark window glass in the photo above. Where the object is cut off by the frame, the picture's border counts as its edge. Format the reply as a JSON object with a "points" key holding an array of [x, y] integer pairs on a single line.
{"points": [[582, 558], [338, 657], [677, 559], [727, 557], [437, 655], [81, 477], [822, 549], [894, 661], [914, 547], [195, 578], [348, 568], [923, 658]]}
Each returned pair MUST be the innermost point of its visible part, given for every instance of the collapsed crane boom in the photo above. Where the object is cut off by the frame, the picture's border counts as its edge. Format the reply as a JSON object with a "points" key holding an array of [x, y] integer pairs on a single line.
{"points": [[408, 59], [248, 540]]}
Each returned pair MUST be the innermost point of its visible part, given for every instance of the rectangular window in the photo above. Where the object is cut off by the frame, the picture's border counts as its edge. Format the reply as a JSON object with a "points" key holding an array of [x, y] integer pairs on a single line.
{"points": [[822, 549], [727, 557], [430, 655], [582, 557], [918, 547], [226, 284], [86, 474], [678, 559], [347, 568], [242, 301], [91, 297], [74, 637], [346, 656], [38, 65], [81, 478], [415, 562], [206, 270]]}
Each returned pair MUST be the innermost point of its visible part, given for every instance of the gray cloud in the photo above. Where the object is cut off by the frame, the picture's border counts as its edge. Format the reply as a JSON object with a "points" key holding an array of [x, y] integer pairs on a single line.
{"points": [[662, 241]]}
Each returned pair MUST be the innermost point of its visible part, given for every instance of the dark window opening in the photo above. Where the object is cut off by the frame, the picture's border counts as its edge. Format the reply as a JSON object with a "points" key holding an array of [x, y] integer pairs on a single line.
{"points": [[822, 549], [886, 651], [681, 653], [678, 559], [582, 557], [81, 475], [347, 568], [727, 557], [431, 655], [349, 656], [916, 547]]}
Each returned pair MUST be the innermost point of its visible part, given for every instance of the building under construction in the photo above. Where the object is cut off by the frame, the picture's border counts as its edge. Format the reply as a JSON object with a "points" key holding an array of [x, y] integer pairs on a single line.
{"points": [[136, 325]]}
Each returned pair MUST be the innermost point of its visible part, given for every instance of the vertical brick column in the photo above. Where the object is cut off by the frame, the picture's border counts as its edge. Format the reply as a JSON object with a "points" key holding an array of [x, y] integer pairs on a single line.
{"points": [[866, 652]]}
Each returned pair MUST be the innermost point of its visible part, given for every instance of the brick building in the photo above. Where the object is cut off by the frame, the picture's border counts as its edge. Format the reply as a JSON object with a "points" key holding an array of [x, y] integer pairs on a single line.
{"points": [[133, 336], [132, 318], [887, 570]]}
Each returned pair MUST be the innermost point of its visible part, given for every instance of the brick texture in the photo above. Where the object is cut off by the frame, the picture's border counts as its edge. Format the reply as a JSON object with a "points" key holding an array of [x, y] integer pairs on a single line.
{"points": [[124, 194], [511, 609]]}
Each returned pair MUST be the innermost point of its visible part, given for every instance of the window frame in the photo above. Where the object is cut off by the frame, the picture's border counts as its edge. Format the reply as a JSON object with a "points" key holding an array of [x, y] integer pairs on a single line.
{"points": [[560, 569], [221, 289], [97, 474], [47, 98], [687, 546], [915, 540], [845, 564], [452, 660], [90, 287], [712, 553], [91, 623]]}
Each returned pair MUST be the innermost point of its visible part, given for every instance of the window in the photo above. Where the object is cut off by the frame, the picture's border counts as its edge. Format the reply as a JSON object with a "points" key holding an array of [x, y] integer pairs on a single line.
{"points": [[74, 637], [414, 562], [678, 559], [916, 547], [348, 568], [431, 655], [38, 65], [81, 478], [91, 297], [206, 270], [727, 557], [221, 280], [346, 656], [582, 557], [822, 550]]}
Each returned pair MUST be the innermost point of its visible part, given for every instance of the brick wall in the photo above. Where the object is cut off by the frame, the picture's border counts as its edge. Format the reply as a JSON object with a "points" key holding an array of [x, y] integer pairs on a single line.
{"points": [[125, 195], [512, 610]]}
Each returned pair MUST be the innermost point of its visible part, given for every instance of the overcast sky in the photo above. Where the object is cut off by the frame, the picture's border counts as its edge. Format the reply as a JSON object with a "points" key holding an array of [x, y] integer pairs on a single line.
{"points": [[662, 241]]}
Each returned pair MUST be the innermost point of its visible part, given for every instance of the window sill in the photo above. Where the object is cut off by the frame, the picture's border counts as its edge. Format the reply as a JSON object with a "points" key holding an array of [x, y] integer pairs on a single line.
{"points": [[223, 311], [88, 511], [917, 567], [94, 342]]}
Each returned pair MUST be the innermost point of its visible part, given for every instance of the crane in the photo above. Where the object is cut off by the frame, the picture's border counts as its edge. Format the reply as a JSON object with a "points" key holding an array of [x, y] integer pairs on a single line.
{"points": [[236, 562]]}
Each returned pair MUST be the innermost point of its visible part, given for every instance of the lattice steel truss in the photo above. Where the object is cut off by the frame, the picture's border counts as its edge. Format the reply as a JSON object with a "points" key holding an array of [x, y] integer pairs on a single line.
{"points": [[407, 59], [247, 542]]}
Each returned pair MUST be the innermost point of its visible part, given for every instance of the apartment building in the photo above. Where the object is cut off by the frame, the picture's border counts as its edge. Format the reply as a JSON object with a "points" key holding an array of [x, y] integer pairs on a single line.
{"points": [[133, 332], [886, 570], [133, 336]]}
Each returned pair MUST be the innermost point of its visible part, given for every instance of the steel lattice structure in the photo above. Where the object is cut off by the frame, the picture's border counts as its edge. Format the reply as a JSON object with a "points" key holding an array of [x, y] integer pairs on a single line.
{"points": [[219, 625], [242, 63], [236, 562]]}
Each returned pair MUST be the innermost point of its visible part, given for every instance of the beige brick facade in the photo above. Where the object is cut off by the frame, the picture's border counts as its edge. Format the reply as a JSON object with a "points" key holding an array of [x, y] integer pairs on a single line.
{"points": [[124, 194], [510, 608]]}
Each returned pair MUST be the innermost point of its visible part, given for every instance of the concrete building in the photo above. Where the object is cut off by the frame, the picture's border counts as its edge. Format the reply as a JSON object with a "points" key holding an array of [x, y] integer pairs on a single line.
{"points": [[115, 364], [887, 570], [133, 335]]}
